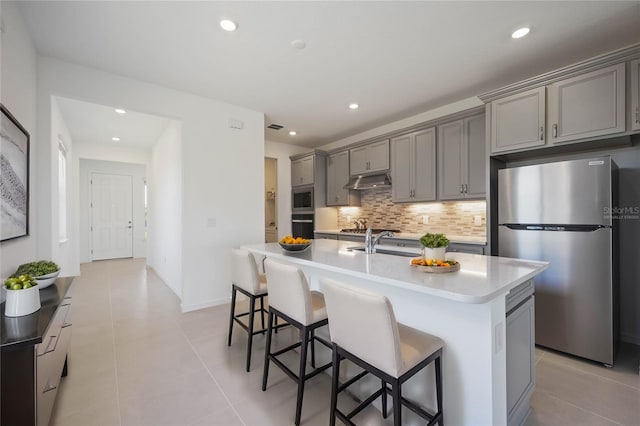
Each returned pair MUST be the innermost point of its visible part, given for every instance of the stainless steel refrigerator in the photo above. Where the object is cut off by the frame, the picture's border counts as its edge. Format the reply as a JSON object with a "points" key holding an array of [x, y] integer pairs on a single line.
{"points": [[562, 213]]}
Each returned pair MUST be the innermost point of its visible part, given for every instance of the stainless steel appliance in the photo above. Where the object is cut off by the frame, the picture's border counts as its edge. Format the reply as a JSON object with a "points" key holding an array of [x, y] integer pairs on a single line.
{"points": [[562, 213], [302, 225], [302, 199]]}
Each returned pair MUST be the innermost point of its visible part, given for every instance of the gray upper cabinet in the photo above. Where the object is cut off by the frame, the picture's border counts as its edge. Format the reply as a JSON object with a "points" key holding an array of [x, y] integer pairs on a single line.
{"points": [[370, 158], [461, 159], [518, 121], [589, 105], [337, 178], [302, 171], [635, 94], [413, 168]]}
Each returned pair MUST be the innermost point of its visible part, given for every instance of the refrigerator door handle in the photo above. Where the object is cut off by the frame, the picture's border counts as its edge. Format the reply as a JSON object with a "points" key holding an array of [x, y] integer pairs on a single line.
{"points": [[553, 228]]}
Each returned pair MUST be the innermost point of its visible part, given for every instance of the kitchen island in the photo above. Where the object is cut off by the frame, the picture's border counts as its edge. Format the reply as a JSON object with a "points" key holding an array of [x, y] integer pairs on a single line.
{"points": [[467, 309]]}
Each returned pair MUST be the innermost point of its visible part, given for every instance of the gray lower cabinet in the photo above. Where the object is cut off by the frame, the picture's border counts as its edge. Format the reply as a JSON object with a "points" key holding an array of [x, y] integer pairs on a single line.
{"points": [[413, 167], [518, 121], [520, 352], [466, 248], [635, 95], [589, 105], [355, 238], [337, 178], [373, 157], [461, 159], [319, 235]]}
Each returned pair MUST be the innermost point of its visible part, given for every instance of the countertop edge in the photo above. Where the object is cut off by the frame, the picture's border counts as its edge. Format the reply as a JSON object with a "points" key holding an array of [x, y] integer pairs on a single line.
{"points": [[401, 236]]}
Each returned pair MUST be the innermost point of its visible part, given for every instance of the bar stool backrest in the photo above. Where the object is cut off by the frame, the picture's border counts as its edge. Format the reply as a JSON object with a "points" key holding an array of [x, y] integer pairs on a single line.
{"points": [[363, 323], [289, 291], [244, 271]]}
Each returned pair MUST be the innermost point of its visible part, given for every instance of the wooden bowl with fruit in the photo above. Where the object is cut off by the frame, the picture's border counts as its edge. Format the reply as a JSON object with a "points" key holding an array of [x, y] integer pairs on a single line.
{"points": [[436, 265], [289, 243]]}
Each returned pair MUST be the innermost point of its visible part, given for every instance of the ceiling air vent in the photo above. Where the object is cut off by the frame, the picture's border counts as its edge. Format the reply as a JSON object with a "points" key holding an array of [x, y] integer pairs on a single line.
{"points": [[274, 126]]}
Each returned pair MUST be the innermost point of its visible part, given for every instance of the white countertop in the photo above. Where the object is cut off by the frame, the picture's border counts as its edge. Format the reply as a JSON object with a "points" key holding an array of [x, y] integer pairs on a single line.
{"points": [[479, 280], [409, 236]]}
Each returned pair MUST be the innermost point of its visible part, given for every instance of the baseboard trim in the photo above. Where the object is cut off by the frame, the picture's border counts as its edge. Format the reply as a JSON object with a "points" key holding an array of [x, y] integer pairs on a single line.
{"points": [[630, 338], [209, 304], [165, 282]]}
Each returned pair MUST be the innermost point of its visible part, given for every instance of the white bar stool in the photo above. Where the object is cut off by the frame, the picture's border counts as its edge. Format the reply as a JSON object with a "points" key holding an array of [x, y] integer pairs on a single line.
{"points": [[291, 300], [246, 279], [364, 330]]}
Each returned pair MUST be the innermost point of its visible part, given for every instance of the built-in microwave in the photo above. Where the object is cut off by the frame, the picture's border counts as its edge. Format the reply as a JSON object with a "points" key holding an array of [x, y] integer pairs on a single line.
{"points": [[302, 199]]}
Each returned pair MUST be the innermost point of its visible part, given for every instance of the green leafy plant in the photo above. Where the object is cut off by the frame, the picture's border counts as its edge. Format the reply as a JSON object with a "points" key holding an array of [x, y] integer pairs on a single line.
{"points": [[434, 240], [36, 269], [22, 282]]}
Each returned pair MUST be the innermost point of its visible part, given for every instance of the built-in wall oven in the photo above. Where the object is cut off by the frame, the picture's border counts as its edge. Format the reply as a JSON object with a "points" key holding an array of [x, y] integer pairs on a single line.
{"points": [[302, 199], [302, 225]]}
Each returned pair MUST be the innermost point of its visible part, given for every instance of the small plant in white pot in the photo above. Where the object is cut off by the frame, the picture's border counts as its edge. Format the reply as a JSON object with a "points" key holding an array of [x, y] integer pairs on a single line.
{"points": [[434, 246], [23, 297]]}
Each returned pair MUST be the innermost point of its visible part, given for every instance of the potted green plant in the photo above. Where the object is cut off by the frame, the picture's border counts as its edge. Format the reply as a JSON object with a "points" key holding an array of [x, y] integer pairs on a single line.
{"points": [[434, 246], [44, 272], [23, 297]]}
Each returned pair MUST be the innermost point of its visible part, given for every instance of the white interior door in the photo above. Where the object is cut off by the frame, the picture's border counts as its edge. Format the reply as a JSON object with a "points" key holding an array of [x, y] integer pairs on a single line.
{"points": [[111, 216]]}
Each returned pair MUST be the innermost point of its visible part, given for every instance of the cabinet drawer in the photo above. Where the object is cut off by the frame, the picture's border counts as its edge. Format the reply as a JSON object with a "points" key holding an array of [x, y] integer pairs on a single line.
{"points": [[465, 248], [46, 387], [50, 339]]}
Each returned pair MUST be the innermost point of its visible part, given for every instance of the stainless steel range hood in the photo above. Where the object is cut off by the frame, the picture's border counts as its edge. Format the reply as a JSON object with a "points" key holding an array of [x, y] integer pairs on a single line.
{"points": [[382, 180]]}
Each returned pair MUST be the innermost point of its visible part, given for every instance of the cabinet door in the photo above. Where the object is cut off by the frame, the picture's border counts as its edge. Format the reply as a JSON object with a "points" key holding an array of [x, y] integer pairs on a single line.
{"points": [[450, 151], [475, 162], [296, 173], [592, 104], [379, 156], [401, 173], [635, 94], [424, 165], [520, 358], [517, 121], [307, 170], [337, 178], [358, 160]]}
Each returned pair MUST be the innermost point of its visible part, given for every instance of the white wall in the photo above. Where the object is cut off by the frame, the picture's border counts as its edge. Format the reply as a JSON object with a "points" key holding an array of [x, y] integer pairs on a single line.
{"points": [[18, 95], [165, 207], [64, 251], [118, 153], [138, 175], [281, 152], [223, 168], [432, 114]]}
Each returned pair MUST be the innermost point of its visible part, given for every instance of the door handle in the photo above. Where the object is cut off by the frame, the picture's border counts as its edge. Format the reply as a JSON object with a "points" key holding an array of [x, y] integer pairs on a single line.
{"points": [[51, 340], [637, 114], [129, 226], [49, 388], [555, 130], [541, 133]]}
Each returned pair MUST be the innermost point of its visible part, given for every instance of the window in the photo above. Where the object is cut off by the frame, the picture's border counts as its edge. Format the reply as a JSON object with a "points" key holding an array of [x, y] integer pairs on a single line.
{"points": [[62, 191]]}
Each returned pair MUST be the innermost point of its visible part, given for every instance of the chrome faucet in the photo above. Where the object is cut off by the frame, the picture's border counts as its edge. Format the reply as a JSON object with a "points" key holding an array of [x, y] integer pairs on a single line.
{"points": [[370, 242]]}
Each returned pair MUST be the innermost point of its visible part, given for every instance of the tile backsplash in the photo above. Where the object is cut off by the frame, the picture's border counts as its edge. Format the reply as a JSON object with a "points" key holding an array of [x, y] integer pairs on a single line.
{"points": [[449, 217]]}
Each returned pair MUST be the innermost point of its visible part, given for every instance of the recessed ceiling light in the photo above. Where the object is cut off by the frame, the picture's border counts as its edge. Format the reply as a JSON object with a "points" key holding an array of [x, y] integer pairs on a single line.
{"points": [[354, 106], [228, 25], [520, 32], [293, 133], [115, 139], [298, 44], [120, 111]]}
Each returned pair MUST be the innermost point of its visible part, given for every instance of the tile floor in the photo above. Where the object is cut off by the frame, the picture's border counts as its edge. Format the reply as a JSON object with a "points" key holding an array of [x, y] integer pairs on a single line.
{"points": [[135, 359]]}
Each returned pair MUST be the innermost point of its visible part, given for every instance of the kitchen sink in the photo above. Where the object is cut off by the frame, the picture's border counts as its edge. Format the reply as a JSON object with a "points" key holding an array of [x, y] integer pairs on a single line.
{"points": [[385, 251]]}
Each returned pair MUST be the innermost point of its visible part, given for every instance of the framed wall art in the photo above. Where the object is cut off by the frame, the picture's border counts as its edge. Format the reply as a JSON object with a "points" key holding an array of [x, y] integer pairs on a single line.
{"points": [[14, 178]]}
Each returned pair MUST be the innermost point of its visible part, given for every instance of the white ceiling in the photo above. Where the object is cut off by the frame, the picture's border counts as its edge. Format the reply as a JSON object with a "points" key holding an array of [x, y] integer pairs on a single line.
{"points": [[395, 59], [97, 124]]}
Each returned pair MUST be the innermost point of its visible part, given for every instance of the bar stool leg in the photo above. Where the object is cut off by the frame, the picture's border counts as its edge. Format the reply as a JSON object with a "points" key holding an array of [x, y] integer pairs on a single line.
{"points": [[252, 312], [438, 368], [262, 312], [384, 399], [232, 313], [335, 374], [313, 348], [267, 352], [396, 393], [301, 373]]}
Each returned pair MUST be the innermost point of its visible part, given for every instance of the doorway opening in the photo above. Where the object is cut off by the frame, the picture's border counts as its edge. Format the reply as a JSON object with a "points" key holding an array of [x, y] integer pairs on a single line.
{"points": [[270, 200]]}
